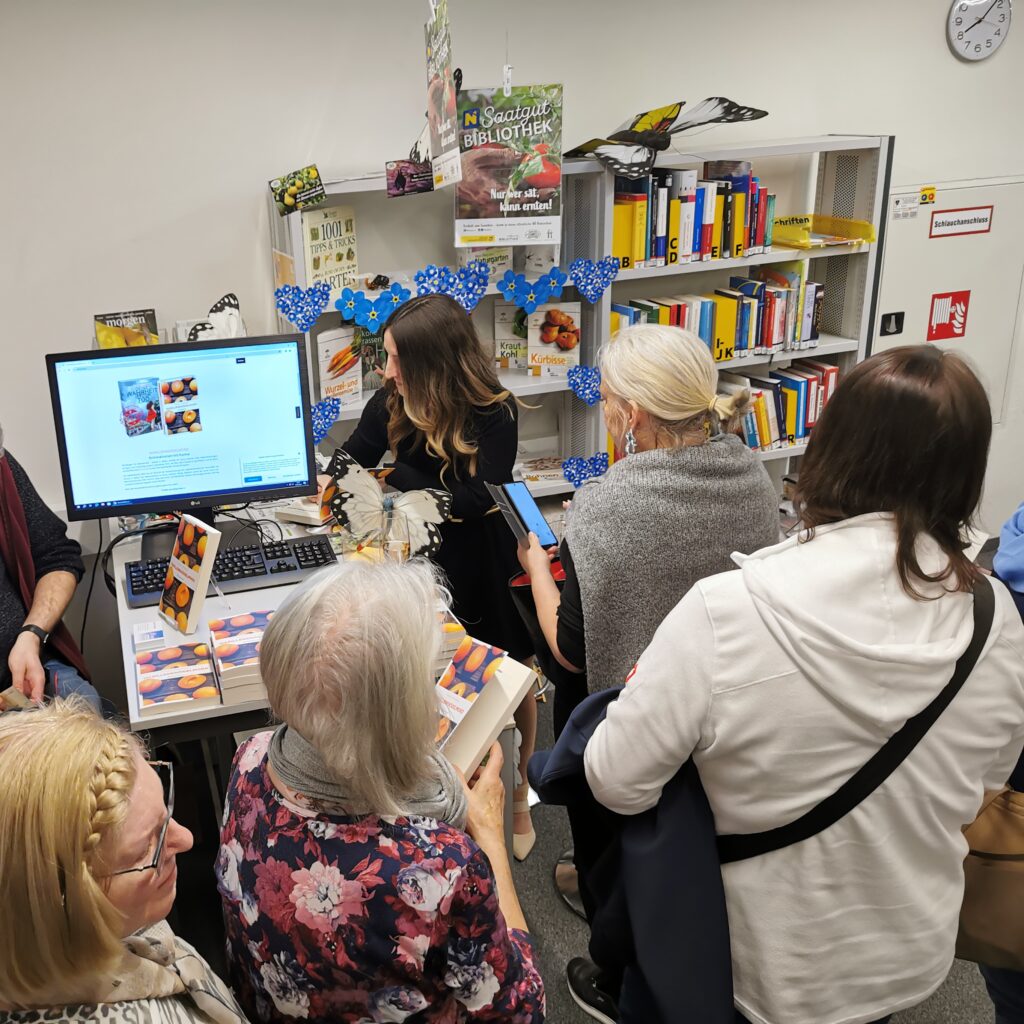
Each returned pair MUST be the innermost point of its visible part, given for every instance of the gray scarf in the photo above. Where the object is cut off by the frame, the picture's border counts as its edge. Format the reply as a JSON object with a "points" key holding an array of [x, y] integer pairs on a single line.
{"points": [[299, 766]]}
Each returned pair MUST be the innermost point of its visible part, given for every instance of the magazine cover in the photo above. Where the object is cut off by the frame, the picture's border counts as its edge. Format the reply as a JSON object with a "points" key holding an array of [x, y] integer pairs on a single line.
{"points": [[441, 105], [297, 190], [140, 405], [511, 188], [126, 330], [181, 405], [181, 673], [413, 174], [473, 665], [188, 573], [330, 240]]}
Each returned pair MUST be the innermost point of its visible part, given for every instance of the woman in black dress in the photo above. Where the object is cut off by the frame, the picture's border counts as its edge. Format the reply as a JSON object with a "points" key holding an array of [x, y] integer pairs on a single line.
{"points": [[449, 423]]}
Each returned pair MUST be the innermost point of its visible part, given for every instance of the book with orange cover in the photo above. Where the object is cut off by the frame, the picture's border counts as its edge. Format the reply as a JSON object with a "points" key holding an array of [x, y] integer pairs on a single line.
{"points": [[188, 573], [175, 675]]}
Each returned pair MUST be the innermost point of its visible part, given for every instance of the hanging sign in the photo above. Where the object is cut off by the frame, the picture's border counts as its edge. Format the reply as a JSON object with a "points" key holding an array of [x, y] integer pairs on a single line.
{"points": [[441, 102], [948, 316], [970, 220]]}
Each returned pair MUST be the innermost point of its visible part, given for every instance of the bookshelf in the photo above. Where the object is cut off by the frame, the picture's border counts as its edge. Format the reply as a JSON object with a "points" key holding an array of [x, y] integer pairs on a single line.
{"points": [[837, 175]]}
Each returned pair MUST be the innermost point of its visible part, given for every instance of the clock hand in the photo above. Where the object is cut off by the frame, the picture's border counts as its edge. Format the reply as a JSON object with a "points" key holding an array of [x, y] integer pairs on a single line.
{"points": [[983, 17]]}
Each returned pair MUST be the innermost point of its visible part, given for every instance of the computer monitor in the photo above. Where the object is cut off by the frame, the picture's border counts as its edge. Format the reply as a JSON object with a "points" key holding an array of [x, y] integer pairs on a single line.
{"points": [[169, 428]]}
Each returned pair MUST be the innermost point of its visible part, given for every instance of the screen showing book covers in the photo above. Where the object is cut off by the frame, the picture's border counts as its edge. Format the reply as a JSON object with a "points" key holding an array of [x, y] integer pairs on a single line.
{"points": [[511, 188]]}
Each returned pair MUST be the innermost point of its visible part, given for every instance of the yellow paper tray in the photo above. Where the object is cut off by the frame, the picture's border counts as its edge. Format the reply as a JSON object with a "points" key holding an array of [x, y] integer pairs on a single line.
{"points": [[814, 230]]}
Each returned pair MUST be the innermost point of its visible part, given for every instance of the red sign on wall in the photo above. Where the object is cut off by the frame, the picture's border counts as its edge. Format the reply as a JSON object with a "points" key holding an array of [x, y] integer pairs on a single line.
{"points": [[948, 316]]}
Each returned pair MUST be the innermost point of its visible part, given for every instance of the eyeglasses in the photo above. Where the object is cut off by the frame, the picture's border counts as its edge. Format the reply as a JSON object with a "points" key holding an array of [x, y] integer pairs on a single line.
{"points": [[166, 772]]}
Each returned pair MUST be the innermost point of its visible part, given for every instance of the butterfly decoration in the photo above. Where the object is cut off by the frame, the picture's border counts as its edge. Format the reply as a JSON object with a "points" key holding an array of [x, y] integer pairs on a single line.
{"points": [[302, 306], [360, 506], [585, 383], [577, 470], [630, 149], [324, 415], [591, 278], [224, 321]]}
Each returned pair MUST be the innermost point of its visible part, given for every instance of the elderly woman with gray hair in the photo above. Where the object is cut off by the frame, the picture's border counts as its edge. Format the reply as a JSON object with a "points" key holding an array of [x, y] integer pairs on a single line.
{"points": [[351, 889]]}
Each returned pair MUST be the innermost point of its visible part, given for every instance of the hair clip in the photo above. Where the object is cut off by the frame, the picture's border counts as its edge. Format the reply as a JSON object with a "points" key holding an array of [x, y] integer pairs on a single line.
{"points": [[592, 278], [585, 383], [302, 306]]}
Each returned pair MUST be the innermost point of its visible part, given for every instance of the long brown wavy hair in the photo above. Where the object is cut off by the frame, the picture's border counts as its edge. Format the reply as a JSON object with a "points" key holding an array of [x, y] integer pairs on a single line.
{"points": [[906, 432], [446, 376]]}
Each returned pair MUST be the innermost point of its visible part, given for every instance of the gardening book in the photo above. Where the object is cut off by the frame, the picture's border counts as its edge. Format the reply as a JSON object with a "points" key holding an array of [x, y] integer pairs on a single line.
{"points": [[329, 236], [339, 367], [511, 188], [188, 573], [553, 338], [477, 694]]}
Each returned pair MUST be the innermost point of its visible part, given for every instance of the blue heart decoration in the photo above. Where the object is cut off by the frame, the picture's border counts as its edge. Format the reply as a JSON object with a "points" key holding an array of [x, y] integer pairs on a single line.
{"points": [[591, 279], [585, 383], [577, 470], [303, 306], [466, 285], [325, 415]]}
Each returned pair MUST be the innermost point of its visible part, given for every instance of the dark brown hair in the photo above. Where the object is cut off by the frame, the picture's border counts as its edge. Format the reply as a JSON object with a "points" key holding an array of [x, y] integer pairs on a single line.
{"points": [[906, 432], [446, 376]]}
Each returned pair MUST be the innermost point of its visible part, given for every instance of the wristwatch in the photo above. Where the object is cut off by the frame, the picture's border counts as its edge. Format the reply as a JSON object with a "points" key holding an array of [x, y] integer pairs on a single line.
{"points": [[39, 632]]}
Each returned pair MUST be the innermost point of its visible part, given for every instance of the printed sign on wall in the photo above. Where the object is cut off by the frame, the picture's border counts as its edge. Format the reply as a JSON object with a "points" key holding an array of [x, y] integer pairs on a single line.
{"points": [[948, 317], [973, 220]]}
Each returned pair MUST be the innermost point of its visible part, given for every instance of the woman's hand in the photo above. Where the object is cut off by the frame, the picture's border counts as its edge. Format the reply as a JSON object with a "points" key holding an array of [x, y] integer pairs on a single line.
{"points": [[486, 796], [535, 560]]}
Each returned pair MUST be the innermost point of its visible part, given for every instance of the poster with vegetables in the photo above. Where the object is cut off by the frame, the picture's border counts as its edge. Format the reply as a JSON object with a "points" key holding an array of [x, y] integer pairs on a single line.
{"points": [[441, 106], [511, 188]]}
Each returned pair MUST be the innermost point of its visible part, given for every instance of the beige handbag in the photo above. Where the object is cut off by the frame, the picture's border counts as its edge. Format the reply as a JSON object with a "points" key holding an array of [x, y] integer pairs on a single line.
{"points": [[992, 916]]}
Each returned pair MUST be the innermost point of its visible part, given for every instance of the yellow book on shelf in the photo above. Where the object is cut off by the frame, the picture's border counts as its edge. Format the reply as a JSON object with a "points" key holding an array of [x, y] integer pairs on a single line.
{"points": [[614, 322], [716, 230], [764, 430], [739, 209], [672, 250], [790, 396], [726, 311], [639, 206], [623, 216]]}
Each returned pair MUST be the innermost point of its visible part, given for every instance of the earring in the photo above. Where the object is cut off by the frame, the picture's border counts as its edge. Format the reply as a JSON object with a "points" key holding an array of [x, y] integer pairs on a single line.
{"points": [[630, 442]]}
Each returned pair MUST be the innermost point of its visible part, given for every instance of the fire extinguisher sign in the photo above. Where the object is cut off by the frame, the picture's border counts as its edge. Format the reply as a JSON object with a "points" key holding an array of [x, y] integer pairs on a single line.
{"points": [[947, 319]]}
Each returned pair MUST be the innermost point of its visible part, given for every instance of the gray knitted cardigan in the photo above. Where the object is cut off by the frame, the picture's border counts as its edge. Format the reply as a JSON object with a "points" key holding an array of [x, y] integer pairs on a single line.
{"points": [[652, 526]]}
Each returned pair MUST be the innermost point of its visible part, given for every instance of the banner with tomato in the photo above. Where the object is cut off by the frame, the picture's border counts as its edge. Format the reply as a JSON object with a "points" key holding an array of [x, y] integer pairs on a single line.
{"points": [[511, 188]]}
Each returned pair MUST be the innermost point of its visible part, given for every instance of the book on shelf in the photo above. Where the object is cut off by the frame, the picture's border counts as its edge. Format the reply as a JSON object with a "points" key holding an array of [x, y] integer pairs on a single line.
{"points": [[373, 359], [477, 694], [188, 573], [510, 336], [235, 644], [553, 338], [329, 237], [339, 365], [175, 676], [543, 469], [130, 329]]}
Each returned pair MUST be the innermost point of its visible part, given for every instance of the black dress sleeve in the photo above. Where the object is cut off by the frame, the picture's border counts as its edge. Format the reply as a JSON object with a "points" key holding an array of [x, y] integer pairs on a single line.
{"points": [[571, 639], [497, 436], [52, 549], [369, 441]]}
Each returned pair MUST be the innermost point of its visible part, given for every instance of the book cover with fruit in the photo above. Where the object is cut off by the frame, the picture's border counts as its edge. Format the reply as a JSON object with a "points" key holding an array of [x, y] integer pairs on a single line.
{"points": [[339, 365], [473, 665], [140, 405], [236, 641], [172, 675], [329, 236], [188, 573], [297, 190], [553, 338], [180, 405], [126, 330], [511, 188]]}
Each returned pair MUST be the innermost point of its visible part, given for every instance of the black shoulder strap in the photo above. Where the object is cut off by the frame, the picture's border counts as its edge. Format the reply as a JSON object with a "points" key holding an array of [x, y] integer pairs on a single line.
{"points": [[867, 779]]}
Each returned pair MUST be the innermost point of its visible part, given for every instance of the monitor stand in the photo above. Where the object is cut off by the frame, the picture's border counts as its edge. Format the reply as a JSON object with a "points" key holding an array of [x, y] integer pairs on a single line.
{"points": [[158, 542]]}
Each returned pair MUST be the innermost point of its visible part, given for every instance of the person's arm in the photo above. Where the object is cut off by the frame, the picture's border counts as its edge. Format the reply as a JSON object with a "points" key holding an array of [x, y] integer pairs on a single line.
{"points": [[536, 562], [369, 441], [497, 442], [657, 721]]}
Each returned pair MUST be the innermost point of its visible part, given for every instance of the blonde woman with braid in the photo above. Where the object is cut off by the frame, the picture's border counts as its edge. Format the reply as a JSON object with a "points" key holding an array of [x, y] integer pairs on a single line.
{"points": [[87, 876]]}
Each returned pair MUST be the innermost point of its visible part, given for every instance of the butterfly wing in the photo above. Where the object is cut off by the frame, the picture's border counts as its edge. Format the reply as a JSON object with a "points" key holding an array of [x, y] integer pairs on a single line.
{"points": [[629, 161], [358, 502], [226, 317], [716, 110], [660, 119], [424, 511], [201, 330]]}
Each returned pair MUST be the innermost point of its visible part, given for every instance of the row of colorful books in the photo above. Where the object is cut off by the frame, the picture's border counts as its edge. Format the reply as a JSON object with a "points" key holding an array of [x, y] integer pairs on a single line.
{"points": [[775, 311], [673, 217], [785, 404]]}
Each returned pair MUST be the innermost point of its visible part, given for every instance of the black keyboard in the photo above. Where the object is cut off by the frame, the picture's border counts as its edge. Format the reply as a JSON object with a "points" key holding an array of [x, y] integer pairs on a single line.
{"points": [[248, 567]]}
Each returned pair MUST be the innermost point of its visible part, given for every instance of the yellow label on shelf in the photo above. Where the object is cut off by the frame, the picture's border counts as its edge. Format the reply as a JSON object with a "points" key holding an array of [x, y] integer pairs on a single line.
{"points": [[927, 195]]}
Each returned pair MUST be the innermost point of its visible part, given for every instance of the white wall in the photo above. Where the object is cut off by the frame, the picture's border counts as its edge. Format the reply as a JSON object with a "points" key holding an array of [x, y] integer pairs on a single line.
{"points": [[137, 137]]}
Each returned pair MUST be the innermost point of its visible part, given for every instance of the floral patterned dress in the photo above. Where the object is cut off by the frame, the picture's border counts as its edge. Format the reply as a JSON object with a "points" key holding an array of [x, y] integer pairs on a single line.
{"points": [[362, 920]]}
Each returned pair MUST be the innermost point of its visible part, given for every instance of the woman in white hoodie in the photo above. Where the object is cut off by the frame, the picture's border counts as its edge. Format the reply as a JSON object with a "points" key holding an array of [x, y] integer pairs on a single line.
{"points": [[783, 677]]}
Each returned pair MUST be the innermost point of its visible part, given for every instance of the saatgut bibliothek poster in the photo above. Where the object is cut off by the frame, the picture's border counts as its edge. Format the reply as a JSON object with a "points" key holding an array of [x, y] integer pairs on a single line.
{"points": [[511, 188]]}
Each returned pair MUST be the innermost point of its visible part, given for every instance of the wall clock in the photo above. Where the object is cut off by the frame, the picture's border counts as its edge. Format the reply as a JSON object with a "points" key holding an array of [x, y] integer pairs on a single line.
{"points": [[977, 28]]}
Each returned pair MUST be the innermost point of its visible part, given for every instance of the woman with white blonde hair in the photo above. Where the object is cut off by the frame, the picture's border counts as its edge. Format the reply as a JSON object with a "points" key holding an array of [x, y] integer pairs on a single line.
{"points": [[87, 876], [350, 887], [680, 498]]}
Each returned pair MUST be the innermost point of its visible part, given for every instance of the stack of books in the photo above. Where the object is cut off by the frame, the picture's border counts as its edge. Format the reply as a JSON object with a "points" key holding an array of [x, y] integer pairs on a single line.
{"points": [[175, 676], [236, 656]]}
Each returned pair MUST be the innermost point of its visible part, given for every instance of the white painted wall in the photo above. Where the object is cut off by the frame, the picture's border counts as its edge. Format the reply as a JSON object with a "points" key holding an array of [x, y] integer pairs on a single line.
{"points": [[137, 137]]}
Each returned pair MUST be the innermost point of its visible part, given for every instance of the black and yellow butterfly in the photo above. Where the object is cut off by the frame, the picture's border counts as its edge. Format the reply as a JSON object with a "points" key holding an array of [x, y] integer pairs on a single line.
{"points": [[630, 150]]}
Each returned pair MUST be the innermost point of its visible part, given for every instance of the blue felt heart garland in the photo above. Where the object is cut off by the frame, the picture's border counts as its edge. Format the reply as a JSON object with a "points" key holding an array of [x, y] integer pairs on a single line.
{"points": [[585, 383], [325, 415], [467, 285], [302, 306], [577, 470], [592, 278]]}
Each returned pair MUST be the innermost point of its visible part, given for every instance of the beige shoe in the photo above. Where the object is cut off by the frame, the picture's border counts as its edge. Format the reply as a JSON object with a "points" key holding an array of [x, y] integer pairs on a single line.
{"points": [[522, 843]]}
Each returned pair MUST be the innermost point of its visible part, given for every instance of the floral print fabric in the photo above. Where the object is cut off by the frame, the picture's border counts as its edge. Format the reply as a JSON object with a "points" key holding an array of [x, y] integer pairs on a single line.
{"points": [[362, 920]]}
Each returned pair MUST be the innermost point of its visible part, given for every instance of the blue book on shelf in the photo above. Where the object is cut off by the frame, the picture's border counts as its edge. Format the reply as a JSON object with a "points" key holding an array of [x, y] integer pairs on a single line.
{"points": [[755, 290], [707, 322], [651, 194], [698, 223], [799, 385], [743, 327], [631, 313], [750, 431]]}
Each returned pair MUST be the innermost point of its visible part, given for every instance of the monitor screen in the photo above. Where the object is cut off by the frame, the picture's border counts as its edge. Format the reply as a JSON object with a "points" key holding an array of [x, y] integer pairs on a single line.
{"points": [[173, 427]]}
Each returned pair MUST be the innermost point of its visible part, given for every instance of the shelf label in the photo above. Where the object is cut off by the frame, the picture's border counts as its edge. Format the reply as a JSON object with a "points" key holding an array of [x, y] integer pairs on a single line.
{"points": [[948, 316], [969, 220]]}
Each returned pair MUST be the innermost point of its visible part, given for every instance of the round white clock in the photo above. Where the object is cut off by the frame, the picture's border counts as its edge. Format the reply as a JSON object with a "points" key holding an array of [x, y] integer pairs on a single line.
{"points": [[977, 28]]}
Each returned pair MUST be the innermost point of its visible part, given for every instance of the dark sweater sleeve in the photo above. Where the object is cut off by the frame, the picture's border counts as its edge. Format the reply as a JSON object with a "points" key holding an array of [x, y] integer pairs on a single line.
{"points": [[497, 436], [52, 549], [571, 638], [369, 441]]}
